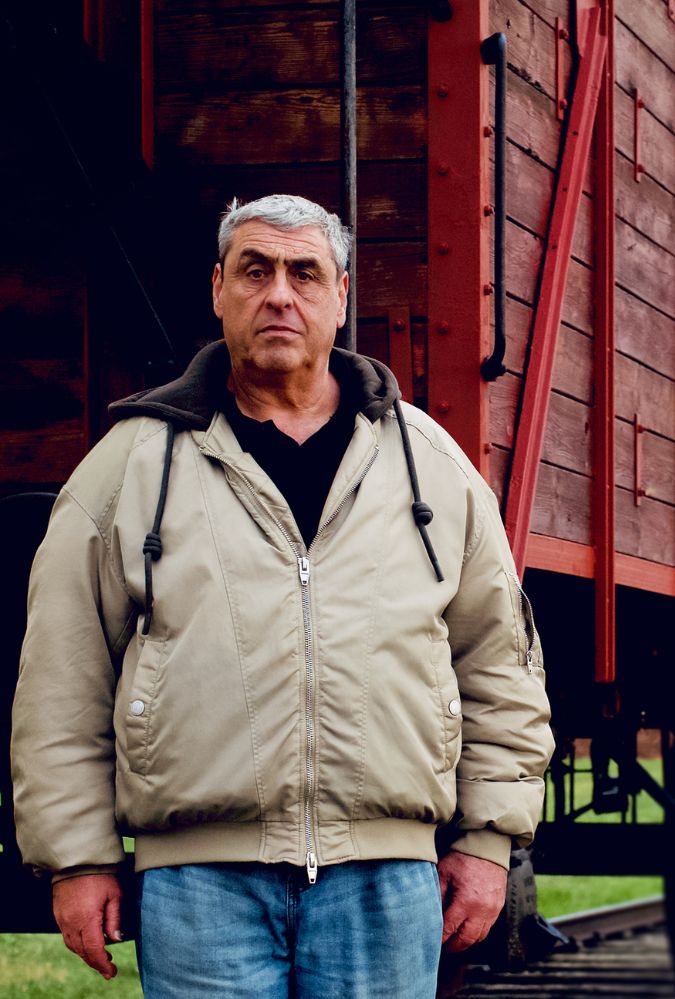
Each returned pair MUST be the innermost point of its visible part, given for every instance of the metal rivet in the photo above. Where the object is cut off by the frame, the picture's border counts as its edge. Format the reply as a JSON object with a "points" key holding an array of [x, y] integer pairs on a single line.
{"points": [[639, 167], [562, 103], [488, 131], [564, 33], [488, 210], [443, 406], [488, 289], [399, 325], [137, 707], [442, 168], [454, 707], [444, 328], [443, 90], [443, 248]]}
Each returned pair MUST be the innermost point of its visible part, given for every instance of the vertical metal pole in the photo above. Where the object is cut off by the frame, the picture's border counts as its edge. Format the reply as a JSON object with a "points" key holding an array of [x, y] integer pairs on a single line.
{"points": [[603, 500], [347, 335]]}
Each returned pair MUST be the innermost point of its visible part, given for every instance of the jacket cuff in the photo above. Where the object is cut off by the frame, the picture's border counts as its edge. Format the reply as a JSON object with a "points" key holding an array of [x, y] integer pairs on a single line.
{"points": [[77, 872], [486, 844]]}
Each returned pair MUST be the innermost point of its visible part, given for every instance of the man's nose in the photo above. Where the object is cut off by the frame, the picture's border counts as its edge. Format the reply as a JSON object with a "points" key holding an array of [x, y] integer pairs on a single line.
{"points": [[279, 292]]}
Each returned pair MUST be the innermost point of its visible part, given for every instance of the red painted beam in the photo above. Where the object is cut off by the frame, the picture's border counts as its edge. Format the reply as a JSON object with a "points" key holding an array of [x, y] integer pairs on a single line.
{"points": [[537, 387], [400, 349], [604, 409], [573, 559], [458, 228]]}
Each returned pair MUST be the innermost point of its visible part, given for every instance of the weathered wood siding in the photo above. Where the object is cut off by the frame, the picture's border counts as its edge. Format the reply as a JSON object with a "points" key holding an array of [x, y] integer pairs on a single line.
{"points": [[645, 285]]}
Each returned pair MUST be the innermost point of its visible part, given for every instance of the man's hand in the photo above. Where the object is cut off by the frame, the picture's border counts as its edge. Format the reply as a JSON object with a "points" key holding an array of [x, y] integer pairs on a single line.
{"points": [[85, 908], [473, 892]]}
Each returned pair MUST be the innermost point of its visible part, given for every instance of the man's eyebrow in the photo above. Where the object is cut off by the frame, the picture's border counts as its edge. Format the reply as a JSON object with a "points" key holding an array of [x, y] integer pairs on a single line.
{"points": [[249, 255]]}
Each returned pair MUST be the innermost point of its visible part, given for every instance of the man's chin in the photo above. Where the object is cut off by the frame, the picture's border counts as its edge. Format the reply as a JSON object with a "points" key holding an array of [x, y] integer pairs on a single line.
{"points": [[281, 359]]}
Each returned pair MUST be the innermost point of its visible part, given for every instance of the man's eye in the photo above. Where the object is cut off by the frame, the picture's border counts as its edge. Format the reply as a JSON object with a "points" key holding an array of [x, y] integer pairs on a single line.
{"points": [[304, 275], [257, 273]]}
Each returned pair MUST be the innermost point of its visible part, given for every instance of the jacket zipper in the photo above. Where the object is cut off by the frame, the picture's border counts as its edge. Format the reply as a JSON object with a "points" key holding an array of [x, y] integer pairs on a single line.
{"points": [[529, 621], [303, 562]]}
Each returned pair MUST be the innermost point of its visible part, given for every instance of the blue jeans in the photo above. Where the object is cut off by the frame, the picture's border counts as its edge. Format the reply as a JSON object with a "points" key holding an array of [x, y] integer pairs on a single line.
{"points": [[254, 931]]}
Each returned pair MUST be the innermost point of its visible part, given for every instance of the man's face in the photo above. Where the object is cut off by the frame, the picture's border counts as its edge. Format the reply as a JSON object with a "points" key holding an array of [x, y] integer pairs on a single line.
{"points": [[279, 298]]}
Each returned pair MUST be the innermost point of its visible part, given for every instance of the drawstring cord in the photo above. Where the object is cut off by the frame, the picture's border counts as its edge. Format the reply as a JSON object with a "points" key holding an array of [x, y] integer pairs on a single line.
{"points": [[422, 512], [152, 546]]}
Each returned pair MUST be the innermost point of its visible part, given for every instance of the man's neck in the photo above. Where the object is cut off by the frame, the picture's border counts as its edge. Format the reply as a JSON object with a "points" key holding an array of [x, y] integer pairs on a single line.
{"points": [[297, 407]]}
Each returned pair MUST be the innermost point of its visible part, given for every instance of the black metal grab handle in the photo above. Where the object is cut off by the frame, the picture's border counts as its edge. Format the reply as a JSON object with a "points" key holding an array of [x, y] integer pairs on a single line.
{"points": [[493, 53]]}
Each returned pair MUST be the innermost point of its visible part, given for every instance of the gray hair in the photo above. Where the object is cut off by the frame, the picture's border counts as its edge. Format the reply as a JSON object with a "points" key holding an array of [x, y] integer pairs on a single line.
{"points": [[286, 211]]}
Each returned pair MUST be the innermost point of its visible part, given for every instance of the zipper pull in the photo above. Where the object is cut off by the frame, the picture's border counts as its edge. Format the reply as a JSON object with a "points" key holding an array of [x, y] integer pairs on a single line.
{"points": [[529, 660], [312, 867], [303, 569]]}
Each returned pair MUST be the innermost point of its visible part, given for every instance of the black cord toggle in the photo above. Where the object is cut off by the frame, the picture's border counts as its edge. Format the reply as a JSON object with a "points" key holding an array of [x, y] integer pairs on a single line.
{"points": [[422, 513], [152, 545]]}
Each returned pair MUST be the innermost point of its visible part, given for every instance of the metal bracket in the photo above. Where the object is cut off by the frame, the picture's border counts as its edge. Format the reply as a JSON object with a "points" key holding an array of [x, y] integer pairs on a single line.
{"points": [[638, 168], [400, 349], [561, 35], [638, 430]]}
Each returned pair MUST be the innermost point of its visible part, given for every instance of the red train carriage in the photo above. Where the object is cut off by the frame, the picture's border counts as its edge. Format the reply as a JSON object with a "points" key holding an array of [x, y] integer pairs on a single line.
{"points": [[509, 166]]}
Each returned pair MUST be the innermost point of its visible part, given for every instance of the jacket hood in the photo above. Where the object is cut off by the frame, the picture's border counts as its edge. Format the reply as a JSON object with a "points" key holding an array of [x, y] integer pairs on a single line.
{"points": [[190, 401]]}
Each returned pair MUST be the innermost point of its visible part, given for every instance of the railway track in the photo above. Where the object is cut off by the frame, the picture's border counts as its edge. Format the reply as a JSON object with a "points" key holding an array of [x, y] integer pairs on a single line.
{"points": [[617, 952]]}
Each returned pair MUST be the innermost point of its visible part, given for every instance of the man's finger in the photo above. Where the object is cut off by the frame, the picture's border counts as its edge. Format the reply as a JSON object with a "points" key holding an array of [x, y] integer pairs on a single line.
{"points": [[112, 919], [95, 954], [469, 933]]}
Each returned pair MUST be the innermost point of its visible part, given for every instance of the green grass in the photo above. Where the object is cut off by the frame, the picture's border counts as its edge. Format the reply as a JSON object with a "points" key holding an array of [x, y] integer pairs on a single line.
{"points": [[38, 966], [559, 894], [34, 966]]}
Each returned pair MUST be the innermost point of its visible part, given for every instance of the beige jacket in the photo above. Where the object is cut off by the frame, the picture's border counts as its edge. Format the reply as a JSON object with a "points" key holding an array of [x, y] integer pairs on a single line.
{"points": [[310, 707]]}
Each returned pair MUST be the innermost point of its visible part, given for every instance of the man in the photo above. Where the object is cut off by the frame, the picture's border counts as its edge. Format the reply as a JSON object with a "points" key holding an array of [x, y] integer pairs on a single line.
{"points": [[270, 706]]}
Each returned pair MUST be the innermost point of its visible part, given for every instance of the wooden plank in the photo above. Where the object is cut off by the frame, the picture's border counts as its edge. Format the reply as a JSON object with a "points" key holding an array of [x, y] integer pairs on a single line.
{"points": [[392, 196], [568, 440], [644, 268], [646, 531], [391, 274], [646, 206], [658, 463], [289, 126], [643, 333], [41, 457], [649, 21], [530, 45], [657, 144], [523, 255], [637, 68], [641, 390], [216, 51], [556, 555]]}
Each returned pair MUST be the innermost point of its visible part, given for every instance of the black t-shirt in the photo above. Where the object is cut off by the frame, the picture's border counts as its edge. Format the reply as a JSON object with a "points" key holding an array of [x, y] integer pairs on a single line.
{"points": [[303, 473]]}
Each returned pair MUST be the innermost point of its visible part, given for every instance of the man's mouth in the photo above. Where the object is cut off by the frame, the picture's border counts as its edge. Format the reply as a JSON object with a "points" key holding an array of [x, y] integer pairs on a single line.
{"points": [[277, 328]]}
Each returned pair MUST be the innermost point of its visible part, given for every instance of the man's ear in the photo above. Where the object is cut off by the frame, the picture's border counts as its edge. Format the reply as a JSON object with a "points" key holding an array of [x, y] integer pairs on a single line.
{"points": [[343, 290], [217, 287]]}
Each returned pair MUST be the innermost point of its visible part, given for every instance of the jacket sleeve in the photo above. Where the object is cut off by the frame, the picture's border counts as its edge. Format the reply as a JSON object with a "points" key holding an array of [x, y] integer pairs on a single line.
{"points": [[63, 748], [506, 739]]}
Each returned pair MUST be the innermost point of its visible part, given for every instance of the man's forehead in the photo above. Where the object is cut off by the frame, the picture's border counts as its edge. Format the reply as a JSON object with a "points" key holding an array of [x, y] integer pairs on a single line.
{"points": [[280, 244]]}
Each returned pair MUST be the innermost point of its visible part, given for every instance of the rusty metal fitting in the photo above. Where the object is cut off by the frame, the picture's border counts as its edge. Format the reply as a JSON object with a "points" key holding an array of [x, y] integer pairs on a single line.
{"points": [[443, 249]]}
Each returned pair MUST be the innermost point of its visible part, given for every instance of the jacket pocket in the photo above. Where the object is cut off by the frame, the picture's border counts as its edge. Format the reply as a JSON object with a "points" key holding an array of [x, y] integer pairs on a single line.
{"points": [[140, 702], [450, 701], [529, 645]]}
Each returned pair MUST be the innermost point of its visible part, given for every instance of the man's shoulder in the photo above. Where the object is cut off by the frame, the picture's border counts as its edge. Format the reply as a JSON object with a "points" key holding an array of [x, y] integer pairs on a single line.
{"points": [[426, 433], [98, 478]]}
